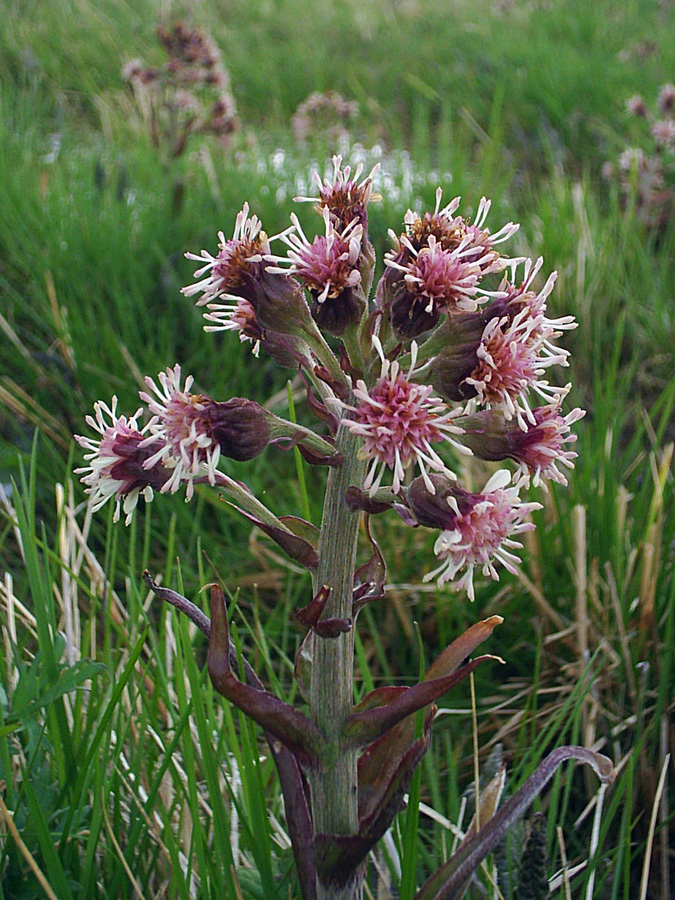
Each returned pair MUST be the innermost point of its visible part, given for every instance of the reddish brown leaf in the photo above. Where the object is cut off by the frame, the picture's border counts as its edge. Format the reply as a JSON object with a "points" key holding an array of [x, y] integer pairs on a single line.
{"points": [[298, 548], [361, 728], [456, 652], [280, 719]]}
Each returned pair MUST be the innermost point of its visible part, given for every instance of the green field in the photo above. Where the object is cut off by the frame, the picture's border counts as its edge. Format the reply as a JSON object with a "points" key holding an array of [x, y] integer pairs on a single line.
{"points": [[124, 774]]}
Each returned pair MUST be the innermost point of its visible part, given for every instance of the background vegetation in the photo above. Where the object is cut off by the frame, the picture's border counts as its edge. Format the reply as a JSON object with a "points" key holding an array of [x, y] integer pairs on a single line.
{"points": [[112, 746]]}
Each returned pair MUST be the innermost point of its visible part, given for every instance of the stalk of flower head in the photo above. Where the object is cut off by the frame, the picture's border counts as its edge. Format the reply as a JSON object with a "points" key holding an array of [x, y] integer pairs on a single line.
{"points": [[447, 360]]}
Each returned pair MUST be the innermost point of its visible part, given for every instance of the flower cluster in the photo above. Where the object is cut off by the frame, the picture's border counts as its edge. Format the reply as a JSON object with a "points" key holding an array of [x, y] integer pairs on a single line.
{"points": [[175, 447], [182, 443], [450, 357], [645, 171]]}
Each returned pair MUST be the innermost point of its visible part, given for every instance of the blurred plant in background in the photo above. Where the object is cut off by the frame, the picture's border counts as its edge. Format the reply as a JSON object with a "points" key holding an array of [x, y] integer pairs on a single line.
{"points": [[190, 94], [327, 116], [645, 172]]}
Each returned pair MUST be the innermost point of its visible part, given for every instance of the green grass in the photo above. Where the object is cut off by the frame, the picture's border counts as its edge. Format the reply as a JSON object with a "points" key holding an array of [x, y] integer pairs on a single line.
{"points": [[112, 744]]}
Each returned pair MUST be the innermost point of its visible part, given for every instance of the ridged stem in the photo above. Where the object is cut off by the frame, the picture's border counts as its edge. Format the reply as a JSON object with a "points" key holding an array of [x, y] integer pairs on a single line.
{"points": [[334, 795]]}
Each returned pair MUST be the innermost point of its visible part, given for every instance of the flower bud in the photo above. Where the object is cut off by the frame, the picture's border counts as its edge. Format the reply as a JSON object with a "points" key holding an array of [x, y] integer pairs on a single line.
{"points": [[367, 262], [286, 350], [491, 436], [240, 427], [461, 336], [409, 317], [278, 301], [450, 370], [335, 314], [441, 508], [359, 500]]}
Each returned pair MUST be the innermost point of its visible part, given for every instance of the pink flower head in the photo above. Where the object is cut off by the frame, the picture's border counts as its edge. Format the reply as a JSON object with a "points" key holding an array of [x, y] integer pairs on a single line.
{"points": [[329, 269], [663, 132], [478, 533], [227, 269], [517, 347], [540, 450], [399, 421], [437, 266], [636, 106], [329, 264], [439, 279], [666, 98], [180, 420], [434, 281], [512, 357], [118, 461], [238, 316], [228, 276], [343, 195], [453, 232]]}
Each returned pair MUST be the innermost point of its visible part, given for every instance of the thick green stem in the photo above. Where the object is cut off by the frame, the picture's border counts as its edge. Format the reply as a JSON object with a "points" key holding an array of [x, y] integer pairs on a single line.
{"points": [[247, 501], [334, 796]]}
